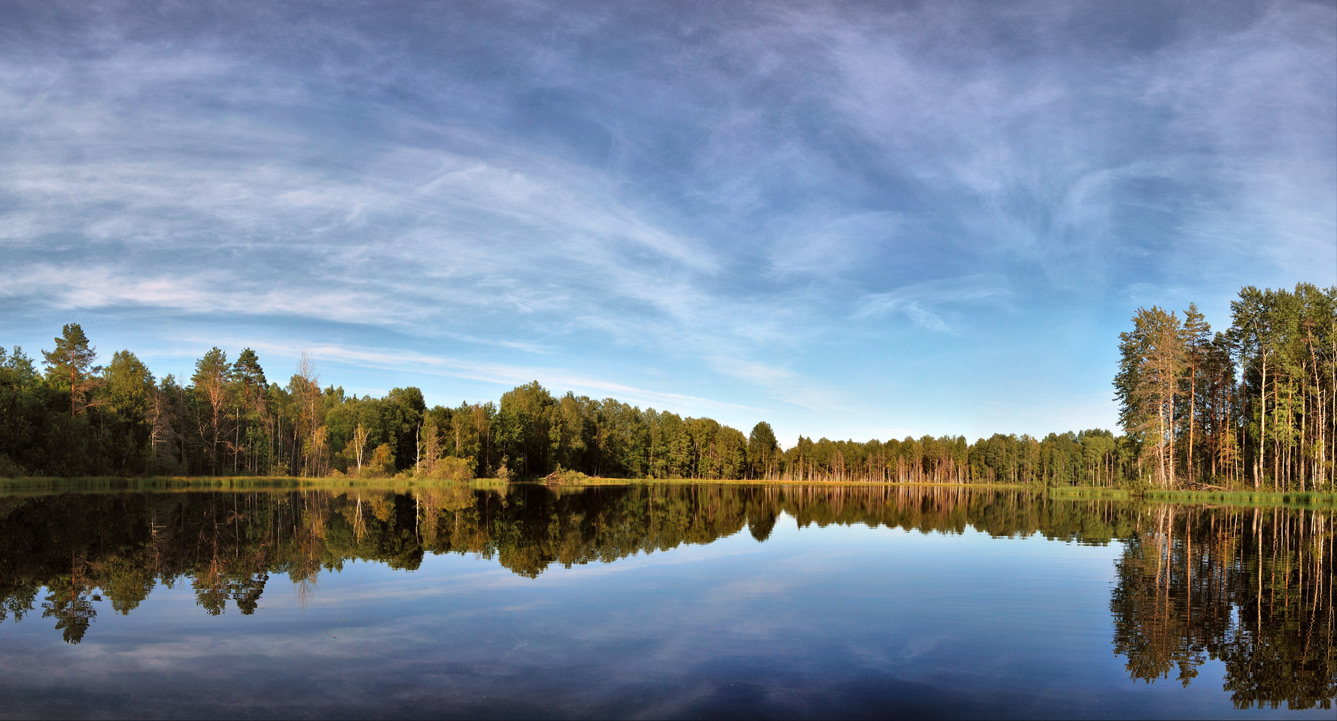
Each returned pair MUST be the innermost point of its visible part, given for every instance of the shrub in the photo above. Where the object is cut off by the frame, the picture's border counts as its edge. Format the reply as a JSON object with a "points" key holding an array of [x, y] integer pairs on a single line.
{"points": [[455, 469], [382, 463], [10, 469], [560, 477]]}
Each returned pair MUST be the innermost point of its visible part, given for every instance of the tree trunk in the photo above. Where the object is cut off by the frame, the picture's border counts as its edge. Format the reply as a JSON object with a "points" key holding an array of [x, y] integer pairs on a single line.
{"points": [[1192, 406], [1262, 423]]}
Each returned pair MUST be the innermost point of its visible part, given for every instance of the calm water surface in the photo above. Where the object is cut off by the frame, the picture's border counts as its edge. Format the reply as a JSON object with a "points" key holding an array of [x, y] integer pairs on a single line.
{"points": [[661, 602]]}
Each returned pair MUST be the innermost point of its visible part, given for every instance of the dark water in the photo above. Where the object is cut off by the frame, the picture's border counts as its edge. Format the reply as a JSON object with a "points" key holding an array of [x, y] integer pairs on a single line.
{"points": [[661, 601]]}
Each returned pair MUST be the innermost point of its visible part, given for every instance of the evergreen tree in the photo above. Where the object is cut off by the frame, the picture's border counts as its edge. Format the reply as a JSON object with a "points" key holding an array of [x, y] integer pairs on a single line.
{"points": [[70, 365], [210, 386], [1152, 358]]}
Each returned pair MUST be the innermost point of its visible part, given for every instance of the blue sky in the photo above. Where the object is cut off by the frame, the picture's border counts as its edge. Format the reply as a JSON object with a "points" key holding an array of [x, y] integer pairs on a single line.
{"points": [[848, 219]]}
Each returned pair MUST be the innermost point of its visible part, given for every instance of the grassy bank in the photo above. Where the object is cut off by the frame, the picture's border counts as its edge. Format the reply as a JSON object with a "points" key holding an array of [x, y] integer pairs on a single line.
{"points": [[1213, 497], [1310, 499], [1084, 493], [1245, 498], [1249, 498], [168, 484], [601, 481]]}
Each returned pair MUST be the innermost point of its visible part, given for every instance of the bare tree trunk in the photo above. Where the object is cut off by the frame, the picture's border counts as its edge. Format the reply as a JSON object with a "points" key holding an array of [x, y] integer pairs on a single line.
{"points": [[1276, 432], [1192, 406], [213, 455], [1262, 420]]}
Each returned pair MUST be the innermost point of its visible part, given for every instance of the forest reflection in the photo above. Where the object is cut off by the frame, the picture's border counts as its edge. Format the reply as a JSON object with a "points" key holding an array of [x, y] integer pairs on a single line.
{"points": [[1250, 587]]}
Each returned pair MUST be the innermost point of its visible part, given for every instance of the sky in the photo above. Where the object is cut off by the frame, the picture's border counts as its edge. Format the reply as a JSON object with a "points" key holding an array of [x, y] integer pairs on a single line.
{"points": [[851, 220]]}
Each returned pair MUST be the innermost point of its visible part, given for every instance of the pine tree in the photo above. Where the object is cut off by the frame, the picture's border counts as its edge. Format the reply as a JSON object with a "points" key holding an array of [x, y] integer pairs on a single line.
{"points": [[1152, 360], [210, 384], [72, 363], [1197, 340]]}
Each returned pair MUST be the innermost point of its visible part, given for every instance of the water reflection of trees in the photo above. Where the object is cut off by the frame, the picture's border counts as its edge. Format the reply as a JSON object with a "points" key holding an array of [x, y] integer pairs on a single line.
{"points": [[1251, 587]]}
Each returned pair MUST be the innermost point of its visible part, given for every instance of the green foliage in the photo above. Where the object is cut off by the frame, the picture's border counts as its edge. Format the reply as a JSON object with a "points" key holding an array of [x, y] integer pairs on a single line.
{"points": [[762, 449], [72, 357], [525, 429], [400, 416], [70, 366], [10, 469], [1152, 362], [17, 369], [452, 469], [381, 464]]}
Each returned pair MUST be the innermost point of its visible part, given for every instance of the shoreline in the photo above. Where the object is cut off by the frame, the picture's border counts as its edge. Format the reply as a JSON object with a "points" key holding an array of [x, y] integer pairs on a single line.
{"points": [[264, 483]]}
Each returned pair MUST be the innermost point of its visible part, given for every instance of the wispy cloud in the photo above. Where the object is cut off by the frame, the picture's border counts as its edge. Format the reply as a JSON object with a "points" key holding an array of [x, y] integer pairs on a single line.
{"points": [[930, 304], [836, 246]]}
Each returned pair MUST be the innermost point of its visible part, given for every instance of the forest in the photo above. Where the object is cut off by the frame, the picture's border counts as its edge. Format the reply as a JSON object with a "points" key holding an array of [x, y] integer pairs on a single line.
{"points": [[1253, 406]]}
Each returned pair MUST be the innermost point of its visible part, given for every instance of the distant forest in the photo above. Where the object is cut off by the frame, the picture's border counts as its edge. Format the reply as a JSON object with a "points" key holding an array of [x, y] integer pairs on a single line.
{"points": [[1254, 406]]}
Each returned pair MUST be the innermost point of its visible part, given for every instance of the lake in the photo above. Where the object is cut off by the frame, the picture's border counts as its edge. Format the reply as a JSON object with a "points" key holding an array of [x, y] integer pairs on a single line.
{"points": [[661, 601]]}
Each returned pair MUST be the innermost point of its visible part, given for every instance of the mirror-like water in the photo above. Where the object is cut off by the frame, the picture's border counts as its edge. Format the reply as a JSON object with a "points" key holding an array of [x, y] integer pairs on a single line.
{"points": [[661, 601]]}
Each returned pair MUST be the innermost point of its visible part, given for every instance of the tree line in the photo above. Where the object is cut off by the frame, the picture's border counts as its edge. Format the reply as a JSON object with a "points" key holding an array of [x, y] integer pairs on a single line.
{"points": [[1254, 404]]}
